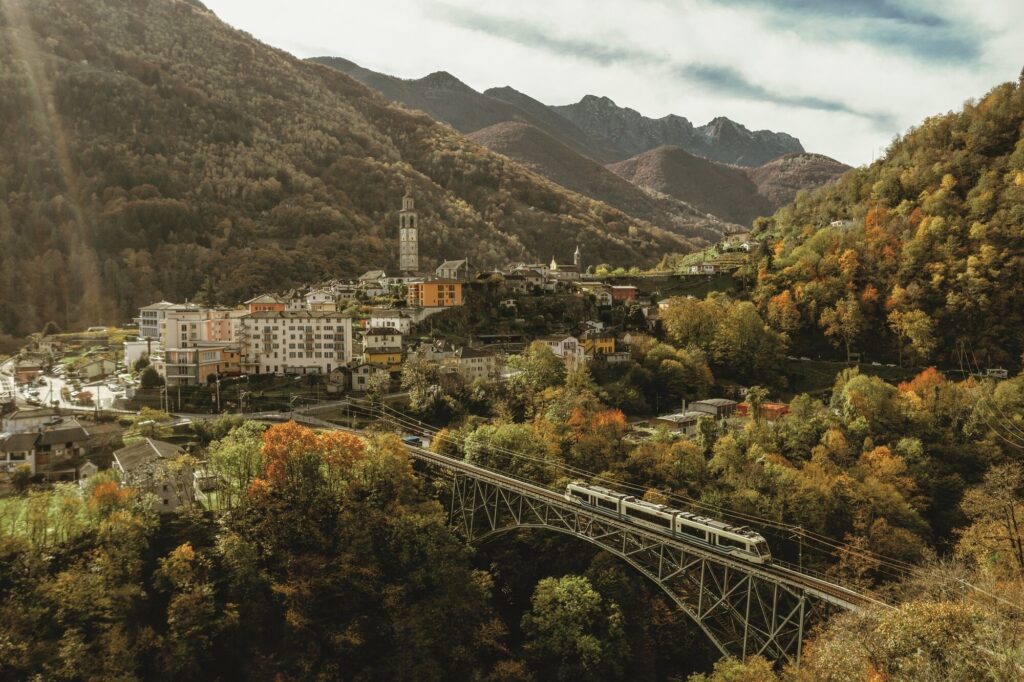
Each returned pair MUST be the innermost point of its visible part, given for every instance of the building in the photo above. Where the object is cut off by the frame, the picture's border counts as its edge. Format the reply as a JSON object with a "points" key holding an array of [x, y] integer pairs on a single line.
{"points": [[408, 236], [388, 358], [391, 318], [382, 337], [96, 368], [295, 342], [53, 450], [624, 294], [156, 467], [602, 293], [151, 316], [27, 370], [200, 364], [598, 342], [719, 408], [362, 373], [682, 422], [435, 293], [181, 329], [564, 346], [565, 273], [22, 421], [472, 364], [266, 303], [322, 300], [767, 411], [454, 269]]}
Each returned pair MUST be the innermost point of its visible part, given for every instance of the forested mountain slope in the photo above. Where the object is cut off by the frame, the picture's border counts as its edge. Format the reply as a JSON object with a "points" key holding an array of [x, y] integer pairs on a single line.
{"points": [[927, 249], [150, 151], [547, 156]]}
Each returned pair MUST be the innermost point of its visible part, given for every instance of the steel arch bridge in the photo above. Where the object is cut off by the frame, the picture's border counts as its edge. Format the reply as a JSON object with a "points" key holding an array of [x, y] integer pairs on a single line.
{"points": [[743, 608]]}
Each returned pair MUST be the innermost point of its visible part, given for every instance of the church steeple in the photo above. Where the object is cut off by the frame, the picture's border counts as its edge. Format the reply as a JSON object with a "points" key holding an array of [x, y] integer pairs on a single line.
{"points": [[408, 235], [554, 266], [576, 256]]}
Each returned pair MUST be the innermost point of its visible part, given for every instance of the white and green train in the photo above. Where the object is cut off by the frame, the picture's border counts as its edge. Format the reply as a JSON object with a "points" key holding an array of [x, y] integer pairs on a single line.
{"points": [[738, 541]]}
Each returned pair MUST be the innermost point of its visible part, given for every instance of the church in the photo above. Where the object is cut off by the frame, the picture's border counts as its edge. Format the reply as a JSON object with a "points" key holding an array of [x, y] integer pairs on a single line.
{"points": [[566, 273]]}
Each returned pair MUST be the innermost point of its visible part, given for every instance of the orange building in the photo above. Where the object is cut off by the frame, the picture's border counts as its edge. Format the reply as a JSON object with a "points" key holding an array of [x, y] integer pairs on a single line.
{"points": [[435, 293], [265, 303]]}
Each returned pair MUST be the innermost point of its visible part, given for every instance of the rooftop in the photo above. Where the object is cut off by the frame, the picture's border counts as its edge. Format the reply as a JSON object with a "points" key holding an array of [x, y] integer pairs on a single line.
{"points": [[145, 451]]}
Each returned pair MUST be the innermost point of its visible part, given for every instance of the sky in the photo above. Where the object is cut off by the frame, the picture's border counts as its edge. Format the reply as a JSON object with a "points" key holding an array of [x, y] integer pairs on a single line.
{"points": [[844, 76]]}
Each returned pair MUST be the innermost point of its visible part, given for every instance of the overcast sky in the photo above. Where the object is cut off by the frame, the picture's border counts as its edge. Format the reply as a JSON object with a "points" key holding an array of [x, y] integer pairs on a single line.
{"points": [[844, 76]]}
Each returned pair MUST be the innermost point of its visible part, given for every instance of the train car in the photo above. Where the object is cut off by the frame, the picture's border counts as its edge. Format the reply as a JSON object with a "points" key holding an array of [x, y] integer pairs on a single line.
{"points": [[738, 541]]}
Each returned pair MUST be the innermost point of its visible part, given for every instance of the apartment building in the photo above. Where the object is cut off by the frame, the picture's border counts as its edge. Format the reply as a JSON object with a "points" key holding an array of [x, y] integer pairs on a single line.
{"points": [[295, 342], [152, 316], [435, 293]]}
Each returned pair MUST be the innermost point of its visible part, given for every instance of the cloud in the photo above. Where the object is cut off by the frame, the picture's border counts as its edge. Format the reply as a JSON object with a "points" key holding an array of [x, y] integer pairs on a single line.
{"points": [[710, 77], [893, 26], [729, 81]]}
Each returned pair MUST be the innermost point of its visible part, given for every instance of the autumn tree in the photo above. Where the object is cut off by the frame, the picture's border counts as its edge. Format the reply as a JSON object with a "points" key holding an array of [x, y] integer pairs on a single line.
{"points": [[843, 323], [913, 330]]}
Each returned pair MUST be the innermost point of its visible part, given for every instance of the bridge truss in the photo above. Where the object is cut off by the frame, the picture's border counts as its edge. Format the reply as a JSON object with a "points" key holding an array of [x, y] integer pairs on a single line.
{"points": [[743, 608]]}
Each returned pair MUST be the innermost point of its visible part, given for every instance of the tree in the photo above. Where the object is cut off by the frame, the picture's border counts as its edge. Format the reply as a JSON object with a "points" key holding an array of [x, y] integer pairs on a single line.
{"points": [[236, 460], [141, 364], [843, 323], [21, 478], [756, 397], [514, 448], [151, 378], [917, 330], [537, 368], [51, 328], [996, 508], [573, 633]]}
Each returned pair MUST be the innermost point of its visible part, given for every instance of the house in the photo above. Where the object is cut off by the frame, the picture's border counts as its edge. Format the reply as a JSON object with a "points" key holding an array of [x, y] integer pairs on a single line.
{"points": [[21, 421], [682, 422], [516, 283], [602, 293], [624, 294], [391, 318], [719, 408], [86, 471], [295, 342], [389, 358], [322, 300], [564, 346], [472, 364], [382, 337], [372, 276], [96, 368], [265, 303], [598, 342], [534, 278], [361, 374], [27, 370], [52, 450], [435, 293], [454, 269], [156, 467]]}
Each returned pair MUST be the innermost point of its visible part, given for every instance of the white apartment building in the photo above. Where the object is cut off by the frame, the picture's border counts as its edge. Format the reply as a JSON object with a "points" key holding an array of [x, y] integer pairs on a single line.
{"points": [[295, 342], [152, 316]]}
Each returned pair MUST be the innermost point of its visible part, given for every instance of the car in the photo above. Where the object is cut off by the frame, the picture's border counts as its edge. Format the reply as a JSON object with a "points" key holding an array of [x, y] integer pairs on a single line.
{"points": [[413, 441]]}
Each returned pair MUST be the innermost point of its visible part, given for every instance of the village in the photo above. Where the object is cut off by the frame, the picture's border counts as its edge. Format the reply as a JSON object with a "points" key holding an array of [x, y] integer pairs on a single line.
{"points": [[69, 399]]}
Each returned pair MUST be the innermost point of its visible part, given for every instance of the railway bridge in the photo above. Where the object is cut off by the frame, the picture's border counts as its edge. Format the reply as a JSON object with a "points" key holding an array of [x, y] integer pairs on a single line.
{"points": [[743, 608]]}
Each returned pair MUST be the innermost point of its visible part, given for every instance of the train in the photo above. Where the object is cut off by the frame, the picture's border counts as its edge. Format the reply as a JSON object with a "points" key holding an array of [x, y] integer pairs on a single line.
{"points": [[737, 541]]}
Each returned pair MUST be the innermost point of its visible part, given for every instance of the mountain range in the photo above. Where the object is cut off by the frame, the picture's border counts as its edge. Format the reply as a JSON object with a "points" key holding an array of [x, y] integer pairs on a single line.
{"points": [[715, 171]]}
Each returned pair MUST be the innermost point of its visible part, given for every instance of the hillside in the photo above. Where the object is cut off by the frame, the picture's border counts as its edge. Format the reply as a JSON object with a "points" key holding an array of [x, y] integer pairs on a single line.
{"points": [[720, 140], [722, 190], [546, 156], [927, 249], [780, 179], [151, 151], [448, 99]]}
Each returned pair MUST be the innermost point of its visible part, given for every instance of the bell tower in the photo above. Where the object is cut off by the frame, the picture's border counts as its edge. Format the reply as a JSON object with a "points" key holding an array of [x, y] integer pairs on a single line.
{"points": [[408, 237], [576, 256]]}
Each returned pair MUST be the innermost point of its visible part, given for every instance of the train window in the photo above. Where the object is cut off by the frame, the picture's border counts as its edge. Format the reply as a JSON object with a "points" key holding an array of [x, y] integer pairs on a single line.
{"points": [[608, 504], [689, 530], [650, 518], [729, 542]]}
